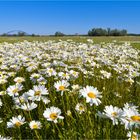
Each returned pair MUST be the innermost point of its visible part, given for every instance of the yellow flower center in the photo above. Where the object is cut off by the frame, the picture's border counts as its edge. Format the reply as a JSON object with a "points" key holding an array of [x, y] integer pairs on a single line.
{"points": [[134, 137], [36, 76], [136, 118], [64, 75], [18, 124], [50, 70], [22, 100], [31, 64], [37, 93], [35, 126], [53, 116], [61, 88], [19, 80], [74, 73], [91, 95], [114, 114], [15, 90], [81, 108]]}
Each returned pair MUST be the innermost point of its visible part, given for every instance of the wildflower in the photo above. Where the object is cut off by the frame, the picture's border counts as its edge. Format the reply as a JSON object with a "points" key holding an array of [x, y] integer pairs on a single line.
{"points": [[132, 136], [69, 113], [3, 81], [75, 87], [61, 86], [32, 66], [42, 81], [74, 73], [21, 99], [64, 75], [37, 93], [105, 74], [131, 117], [13, 90], [19, 80], [80, 108], [130, 106], [52, 114], [114, 113], [34, 77], [35, 125], [51, 72], [16, 121], [90, 41], [91, 94], [45, 100], [2, 93], [28, 106]]}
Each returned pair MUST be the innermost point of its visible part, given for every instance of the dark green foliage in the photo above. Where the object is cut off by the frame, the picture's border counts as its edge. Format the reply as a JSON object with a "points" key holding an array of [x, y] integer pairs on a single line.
{"points": [[106, 32], [59, 34]]}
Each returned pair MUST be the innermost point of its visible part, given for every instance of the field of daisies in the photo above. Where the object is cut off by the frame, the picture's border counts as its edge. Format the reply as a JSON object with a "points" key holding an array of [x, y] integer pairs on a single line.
{"points": [[69, 90]]}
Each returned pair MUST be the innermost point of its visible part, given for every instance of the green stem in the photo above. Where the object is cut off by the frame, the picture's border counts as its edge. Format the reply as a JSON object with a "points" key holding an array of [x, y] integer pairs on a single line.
{"points": [[37, 135]]}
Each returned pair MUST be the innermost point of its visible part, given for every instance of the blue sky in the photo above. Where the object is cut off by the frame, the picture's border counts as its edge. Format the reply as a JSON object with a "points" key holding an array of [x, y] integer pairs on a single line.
{"points": [[69, 17]]}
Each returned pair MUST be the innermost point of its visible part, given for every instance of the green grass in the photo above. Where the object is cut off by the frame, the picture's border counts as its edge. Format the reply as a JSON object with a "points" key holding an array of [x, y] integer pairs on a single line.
{"points": [[134, 39]]}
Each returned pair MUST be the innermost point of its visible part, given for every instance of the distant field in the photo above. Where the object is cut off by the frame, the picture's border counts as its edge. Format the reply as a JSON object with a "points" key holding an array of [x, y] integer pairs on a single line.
{"points": [[73, 89], [135, 40]]}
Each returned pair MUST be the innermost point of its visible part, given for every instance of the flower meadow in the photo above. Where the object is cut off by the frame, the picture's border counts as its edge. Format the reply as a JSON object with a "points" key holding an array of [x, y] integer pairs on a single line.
{"points": [[69, 90]]}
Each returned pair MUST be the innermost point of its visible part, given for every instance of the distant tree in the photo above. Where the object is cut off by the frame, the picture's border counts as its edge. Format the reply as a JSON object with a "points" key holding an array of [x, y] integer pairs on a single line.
{"points": [[4, 34], [123, 32], [59, 34], [97, 32], [21, 34], [33, 35], [90, 32], [106, 32]]}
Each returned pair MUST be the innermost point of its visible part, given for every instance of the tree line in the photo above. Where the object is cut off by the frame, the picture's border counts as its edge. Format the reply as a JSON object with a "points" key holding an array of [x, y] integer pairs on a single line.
{"points": [[102, 32], [91, 32], [107, 32]]}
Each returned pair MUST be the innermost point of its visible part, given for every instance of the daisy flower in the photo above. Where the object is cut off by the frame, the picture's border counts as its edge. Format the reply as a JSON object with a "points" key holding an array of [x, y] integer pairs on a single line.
{"points": [[75, 87], [3, 81], [131, 117], [51, 72], [21, 99], [130, 106], [69, 113], [35, 125], [74, 73], [52, 114], [34, 77], [28, 106], [80, 108], [2, 93], [114, 113], [19, 80], [64, 75], [91, 94], [105, 74], [16, 121], [42, 80], [61, 86], [132, 136], [13, 90], [37, 92]]}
